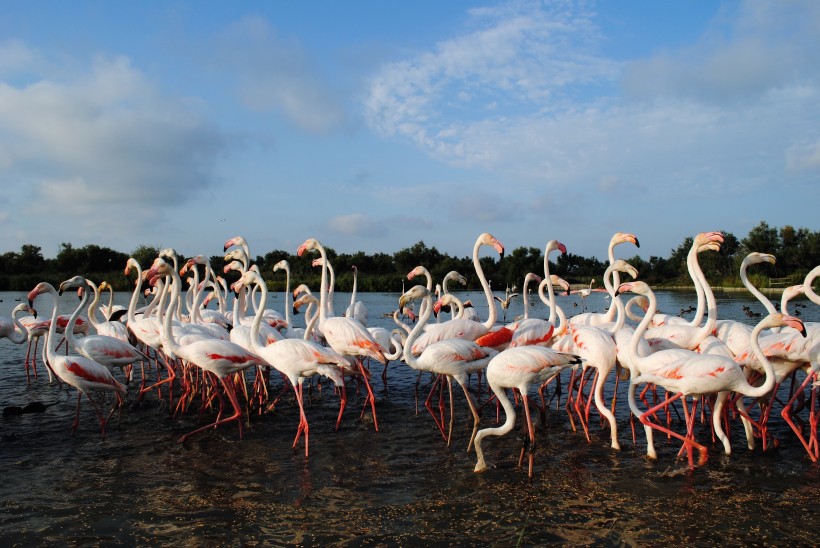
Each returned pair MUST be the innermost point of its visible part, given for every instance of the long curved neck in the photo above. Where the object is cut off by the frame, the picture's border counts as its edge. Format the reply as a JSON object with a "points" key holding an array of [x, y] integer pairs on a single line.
{"points": [[169, 343], [322, 287], [288, 299], [51, 342], [768, 384], [509, 423], [744, 277], [312, 318], [132, 305], [551, 301], [711, 306], [69, 328], [635, 341], [18, 337], [256, 345], [693, 266], [807, 285], [92, 307], [527, 280], [426, 311], [493, 313], [355, 283]]}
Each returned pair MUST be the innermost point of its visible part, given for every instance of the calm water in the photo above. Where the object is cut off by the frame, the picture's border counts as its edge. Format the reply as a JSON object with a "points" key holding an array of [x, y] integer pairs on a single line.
{"points": [[399, 486]]}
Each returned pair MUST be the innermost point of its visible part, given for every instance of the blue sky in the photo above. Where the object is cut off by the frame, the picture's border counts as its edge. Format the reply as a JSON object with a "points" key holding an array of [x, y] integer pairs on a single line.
{"points": [[373, 125]]}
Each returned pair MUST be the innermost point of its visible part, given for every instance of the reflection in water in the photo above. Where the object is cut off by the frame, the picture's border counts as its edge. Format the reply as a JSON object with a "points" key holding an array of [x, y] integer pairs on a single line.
{"points": [[399, 486]]}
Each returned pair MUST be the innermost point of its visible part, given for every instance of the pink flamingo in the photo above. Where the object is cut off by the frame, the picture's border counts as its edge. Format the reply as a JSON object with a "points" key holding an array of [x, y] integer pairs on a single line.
{"points": [[297, 359], [454, 358], [217, 357], [464, 328], [688, 373], [109, 351], [82, 373], [346, 336], [520, 368]]}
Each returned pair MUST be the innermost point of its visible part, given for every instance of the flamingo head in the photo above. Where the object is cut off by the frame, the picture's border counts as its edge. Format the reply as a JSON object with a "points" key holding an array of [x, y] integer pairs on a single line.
{"points": [[622, 266], [281, 265], [784, 320], [77, 282], [623, 238], [552, 245], [706, 237], [793, 291], [301, 288], [415, 292], [354, 268], [236, 255], [754, 258], [24, 307], [638, 287], [560, 282], [317, 262], [231, 266], [489, 239], [309, 245], [303, 300], [236, 240], [39, 289], [132, 262], [418, 271]]}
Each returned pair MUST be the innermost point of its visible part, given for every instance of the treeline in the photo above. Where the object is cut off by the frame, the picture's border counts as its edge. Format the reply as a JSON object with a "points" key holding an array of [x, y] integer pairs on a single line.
{"points": [[797, 251]]}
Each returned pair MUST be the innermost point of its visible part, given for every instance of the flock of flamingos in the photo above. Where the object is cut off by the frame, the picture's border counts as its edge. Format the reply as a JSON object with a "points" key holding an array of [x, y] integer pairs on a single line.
{"points": [[189, 354]]}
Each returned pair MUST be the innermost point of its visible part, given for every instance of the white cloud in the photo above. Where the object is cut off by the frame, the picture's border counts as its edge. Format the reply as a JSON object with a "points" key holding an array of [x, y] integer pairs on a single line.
{"points": [[555, 125], [275, 73], [103, 140]]}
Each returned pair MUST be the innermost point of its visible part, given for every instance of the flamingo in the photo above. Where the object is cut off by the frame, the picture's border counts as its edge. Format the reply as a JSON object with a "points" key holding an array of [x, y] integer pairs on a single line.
{"points": [[218, 357], [297, 359], [464, 328], [520, 368], [688, 373], [9, 326], [505, 302], [16, 331], [584, 293], [112, 328], [346, 336], [82, 373], [109, 351], [356, 309], [594, 318], [454, 358]]}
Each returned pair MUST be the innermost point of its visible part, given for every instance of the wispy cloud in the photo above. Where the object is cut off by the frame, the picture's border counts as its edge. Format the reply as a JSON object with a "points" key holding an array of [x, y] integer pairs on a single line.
{"points": [[667, 131], [275, 73]]}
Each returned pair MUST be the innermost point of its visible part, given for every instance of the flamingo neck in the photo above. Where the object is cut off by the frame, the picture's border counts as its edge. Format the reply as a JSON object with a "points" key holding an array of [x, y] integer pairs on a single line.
{"points": [[771, 377], [426, 311], [695, 272], [509, 422], [69, 328], [634, 342], [92, 307], [493, 314], [132, 305], [256, 346]]}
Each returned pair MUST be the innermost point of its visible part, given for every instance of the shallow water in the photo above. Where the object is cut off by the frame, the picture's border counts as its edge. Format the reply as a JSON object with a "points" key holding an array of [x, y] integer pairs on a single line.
{"points": [[401, 485]]}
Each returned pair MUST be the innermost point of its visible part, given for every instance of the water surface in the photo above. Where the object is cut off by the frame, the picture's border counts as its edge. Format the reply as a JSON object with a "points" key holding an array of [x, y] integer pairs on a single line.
{"points": [[399, 486]]}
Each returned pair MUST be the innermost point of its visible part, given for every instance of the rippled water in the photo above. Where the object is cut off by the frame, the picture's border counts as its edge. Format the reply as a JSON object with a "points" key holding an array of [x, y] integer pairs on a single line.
{"points": [[399, 486]]}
